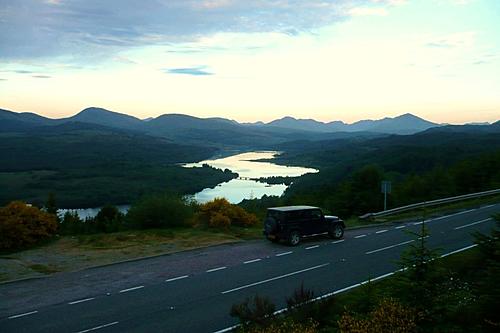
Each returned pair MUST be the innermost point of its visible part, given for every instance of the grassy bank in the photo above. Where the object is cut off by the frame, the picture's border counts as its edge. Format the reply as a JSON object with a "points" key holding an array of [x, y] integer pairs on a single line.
{"points": [[70, 253]]}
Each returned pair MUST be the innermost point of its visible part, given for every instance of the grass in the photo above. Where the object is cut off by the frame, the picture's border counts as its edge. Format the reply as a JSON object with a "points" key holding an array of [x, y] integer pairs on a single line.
{"points": [[71, 253]]}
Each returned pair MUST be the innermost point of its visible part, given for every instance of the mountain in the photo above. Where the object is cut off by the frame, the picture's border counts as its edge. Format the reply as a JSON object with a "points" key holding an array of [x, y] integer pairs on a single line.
{"points": [[14, 121], [301, 124], [105, 117], [404, 124]]}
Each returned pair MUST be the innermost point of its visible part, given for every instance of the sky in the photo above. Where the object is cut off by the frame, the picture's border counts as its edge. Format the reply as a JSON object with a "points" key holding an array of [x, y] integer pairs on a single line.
{"points": [[253, 60]]}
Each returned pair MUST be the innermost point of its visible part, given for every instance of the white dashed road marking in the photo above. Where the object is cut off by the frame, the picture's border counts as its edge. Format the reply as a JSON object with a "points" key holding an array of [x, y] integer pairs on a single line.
{"points": [[312, 247], [81, 301], [216, 269], [251, 261], [274, 278], [381, 231], [98, 327], [390, 247], [284, 253], [473, 223], [400, 227], [338, 241], [360, 236], [131, 289], [177, 278], [23, 314]]}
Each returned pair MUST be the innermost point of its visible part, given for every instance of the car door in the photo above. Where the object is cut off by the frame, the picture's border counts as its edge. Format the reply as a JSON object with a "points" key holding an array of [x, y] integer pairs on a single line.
{"points": [[317, 221]]}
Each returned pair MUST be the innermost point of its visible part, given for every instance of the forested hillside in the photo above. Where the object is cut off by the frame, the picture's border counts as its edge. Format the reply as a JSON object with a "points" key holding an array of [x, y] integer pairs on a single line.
{"points": [[424, 166]]}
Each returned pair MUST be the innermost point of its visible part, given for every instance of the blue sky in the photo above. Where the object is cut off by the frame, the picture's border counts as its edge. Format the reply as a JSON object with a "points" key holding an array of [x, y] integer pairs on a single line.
{"points": [[253, 60]]}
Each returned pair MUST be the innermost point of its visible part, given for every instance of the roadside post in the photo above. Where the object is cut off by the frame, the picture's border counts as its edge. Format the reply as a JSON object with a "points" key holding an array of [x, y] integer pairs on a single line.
{"points": [[386, 188]]}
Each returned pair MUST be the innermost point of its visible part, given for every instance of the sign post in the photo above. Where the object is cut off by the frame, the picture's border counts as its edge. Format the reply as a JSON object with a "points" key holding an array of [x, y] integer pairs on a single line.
{"points": [[386, 188]]}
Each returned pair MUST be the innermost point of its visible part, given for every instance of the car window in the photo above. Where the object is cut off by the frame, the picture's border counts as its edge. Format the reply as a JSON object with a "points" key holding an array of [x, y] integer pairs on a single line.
{"points": [[316, 214]]}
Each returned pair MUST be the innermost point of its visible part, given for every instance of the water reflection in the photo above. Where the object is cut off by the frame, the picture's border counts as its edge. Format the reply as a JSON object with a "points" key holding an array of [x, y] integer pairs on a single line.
{"points": [[247, 166]]}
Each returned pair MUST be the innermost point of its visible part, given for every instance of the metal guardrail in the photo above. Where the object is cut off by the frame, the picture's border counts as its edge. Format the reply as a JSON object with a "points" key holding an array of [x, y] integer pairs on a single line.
{"points": [[430, 203]]}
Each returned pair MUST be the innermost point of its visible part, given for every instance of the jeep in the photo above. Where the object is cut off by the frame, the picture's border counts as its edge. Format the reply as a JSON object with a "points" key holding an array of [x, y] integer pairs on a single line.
{"points": [[290, 223]]}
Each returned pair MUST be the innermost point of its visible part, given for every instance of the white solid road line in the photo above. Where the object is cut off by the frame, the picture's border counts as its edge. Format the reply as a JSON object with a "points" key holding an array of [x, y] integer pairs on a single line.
{"points": [[216, 269], [381, 231], [228, 329], [177, 278], [338, 241], [23, 314], [251, 261], [390, 247], [473, 223], [284, 253], [312, 247], [274, 278], [81, 301], [360, 236], [130, 289], [98, 327]]}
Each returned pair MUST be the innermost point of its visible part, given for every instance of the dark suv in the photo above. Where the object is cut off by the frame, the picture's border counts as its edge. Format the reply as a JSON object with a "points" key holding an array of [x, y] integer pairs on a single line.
{"points": [[290, 223]]}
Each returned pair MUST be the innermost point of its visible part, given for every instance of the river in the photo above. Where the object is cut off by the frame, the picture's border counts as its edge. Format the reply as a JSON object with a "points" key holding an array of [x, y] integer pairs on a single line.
{"points": [[248, 166]]}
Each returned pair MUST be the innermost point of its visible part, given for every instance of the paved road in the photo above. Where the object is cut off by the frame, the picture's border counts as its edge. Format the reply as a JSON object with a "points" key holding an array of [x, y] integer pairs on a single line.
{"points": [[193, 291]]}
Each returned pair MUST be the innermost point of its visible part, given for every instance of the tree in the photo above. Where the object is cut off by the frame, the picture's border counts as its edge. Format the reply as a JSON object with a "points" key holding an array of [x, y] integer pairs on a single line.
{"points": [[50, 204], [22, 225]]}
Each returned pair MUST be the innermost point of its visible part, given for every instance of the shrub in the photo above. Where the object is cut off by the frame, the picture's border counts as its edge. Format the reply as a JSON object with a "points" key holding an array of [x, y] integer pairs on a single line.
{"points": [[220, 213], [22, 225], [160, 211], [256, 311], [389, 316]]}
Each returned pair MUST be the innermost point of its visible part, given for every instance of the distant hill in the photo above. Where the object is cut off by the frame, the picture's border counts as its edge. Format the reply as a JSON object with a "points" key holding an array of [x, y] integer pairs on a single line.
{"points": [[105, 117], [404, 124]]}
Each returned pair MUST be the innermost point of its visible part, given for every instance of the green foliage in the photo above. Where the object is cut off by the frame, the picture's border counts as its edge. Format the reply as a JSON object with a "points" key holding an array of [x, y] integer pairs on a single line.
{"points": [[50, 204], [22, 225], [108, 219], [160, 211], [219, 213], [390, 316], [488, 287], [114, 183]]}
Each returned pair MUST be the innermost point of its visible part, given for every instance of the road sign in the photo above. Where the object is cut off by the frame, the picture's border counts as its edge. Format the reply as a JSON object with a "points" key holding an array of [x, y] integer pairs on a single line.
{"points": [[386, 187]]}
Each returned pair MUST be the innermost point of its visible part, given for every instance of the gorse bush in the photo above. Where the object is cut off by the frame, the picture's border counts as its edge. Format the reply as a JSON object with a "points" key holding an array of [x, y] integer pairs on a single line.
{"points": [[160, 211], [219, 213], [22, 225]]}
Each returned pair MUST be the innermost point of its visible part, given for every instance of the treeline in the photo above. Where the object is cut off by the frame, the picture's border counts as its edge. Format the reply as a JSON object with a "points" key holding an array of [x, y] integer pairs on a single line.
{"points": [[115, 183], [23, 225], [360, 191]]}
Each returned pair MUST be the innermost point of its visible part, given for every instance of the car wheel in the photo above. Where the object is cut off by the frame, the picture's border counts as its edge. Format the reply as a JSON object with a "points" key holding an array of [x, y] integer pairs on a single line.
{"points": [[294, 238], [336, 232]]}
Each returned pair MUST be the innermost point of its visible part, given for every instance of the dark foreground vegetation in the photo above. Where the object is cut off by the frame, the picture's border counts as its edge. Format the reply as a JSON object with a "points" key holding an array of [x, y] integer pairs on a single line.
{"points": [[23, 226], [459, 293]]}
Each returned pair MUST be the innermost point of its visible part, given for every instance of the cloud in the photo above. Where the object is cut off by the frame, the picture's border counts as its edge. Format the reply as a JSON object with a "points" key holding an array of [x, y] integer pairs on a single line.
{"points": [[41, 76], [462, 39], [195, 71], [96, 29]]}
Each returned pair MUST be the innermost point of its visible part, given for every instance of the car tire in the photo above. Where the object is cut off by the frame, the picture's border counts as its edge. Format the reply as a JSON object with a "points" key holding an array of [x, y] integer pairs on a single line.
{"points": [[336, 232], [294, 238]]}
